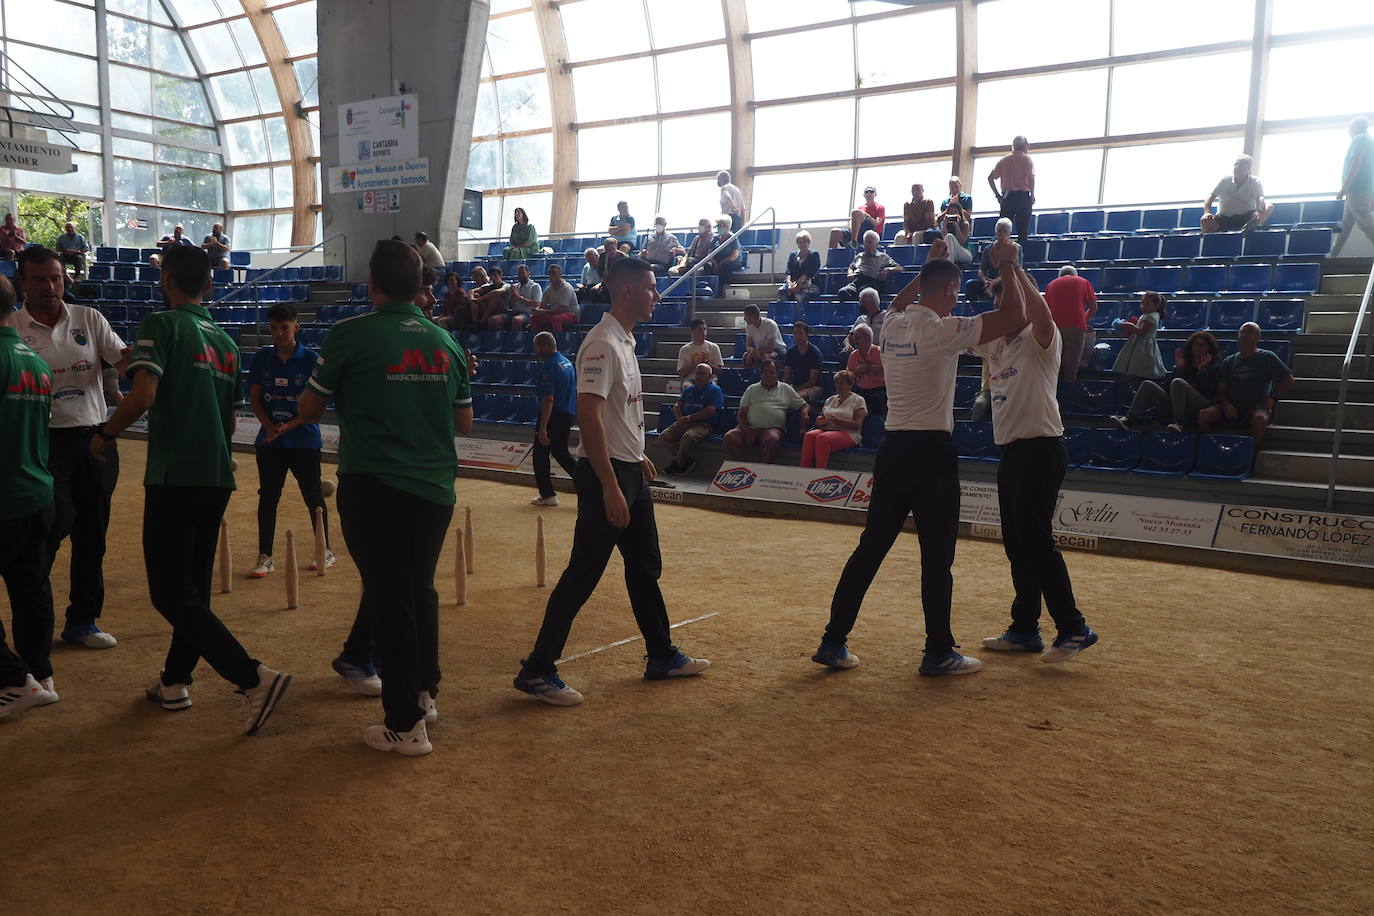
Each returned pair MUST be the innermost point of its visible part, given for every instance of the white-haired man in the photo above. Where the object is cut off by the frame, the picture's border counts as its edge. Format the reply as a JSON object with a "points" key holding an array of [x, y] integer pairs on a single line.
{"points": [[1240, 201], [1357, 184], [1072, 301], [870, 269], [731, 200], [1017, 197], [661, 247]]}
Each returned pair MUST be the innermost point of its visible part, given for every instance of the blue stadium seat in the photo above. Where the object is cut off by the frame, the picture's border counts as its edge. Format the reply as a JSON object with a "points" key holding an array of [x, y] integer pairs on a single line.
{"points": [[1204, 278], [1103, 249], [1230, 314], [1287, 213], [1120, 280], [1168, 347], [1092, 274], [114, 313], [1051, 223], [1323, 213], [1297, 278], [666, 417], [1222, 246], [117, 292], [1159, 220], [983, 227], [1224, 457], [1189, 218], [895, 282], [522, 372], [497, 407], [846, 313], [1123, 221], [1186, 315], [644, 344], [874, 427], [1167, 454], [1092, 398], [966, 388], [150, 275], [838, 258], [669, 314], [1113, 450], [732, 382], [1281, 316], [782, 312], [973, 440], [1140, 247], [1108, 310], [490, 342], [817, 313], [1183, 247], [240, 258], [904, 255], [221, 275], [740, 346], [106, 255], [1070, 250], [1087, 222], [96, 272], [140, 294], [1164, 280], [1078, 441], [1035, 251], [1309, 243], [1248, 278], [1270, 245], [1043, 276], [126, 272], [129, 256]]}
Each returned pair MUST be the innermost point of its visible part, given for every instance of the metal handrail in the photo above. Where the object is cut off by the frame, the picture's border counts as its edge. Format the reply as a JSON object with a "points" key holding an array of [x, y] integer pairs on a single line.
{"points": [[27, 93], [734, 236], [1343, 392], [256, 282]]}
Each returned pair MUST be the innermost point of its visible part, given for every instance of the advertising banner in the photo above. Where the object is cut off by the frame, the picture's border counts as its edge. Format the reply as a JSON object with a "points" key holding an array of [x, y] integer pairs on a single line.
{"points": [[379, 130], [1137, 518], [807, 486], [1324, 537], [379, 176], [495, 454]]}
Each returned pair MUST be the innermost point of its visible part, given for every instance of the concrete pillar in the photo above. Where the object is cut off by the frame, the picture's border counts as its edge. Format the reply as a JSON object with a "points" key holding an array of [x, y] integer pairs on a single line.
{"points": [[368, 49]]}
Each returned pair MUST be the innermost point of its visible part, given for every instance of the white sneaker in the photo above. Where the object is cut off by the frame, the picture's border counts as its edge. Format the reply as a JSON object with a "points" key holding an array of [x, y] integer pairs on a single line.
{"points": [[30, 693], [1121, 423], [88, 635], [48, 689], [414, 743], [545, 500], [171, 697], [428, 705], [329, 561], [1175, 427], [263, 568], [259, 701]]}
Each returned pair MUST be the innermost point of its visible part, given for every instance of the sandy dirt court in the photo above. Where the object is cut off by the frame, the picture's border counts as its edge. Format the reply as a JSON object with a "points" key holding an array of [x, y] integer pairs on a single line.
{"points": [[1212, 754]]}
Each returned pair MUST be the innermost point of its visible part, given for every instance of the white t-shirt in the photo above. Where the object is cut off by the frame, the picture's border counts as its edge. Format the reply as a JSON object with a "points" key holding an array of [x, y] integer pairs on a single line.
{"points": [[1233, 201], [430, 257], [73, 349], [767, 330], [607, 368], [1025, 379], [692, 355], [845, 411], [731, 200], [920, 358]]}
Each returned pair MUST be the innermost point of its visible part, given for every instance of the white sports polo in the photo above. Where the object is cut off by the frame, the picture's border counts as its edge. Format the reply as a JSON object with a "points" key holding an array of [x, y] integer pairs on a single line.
{"points": [[1025, 380], [73, 349], [1237, 201], [607, 367], [920, 359]]}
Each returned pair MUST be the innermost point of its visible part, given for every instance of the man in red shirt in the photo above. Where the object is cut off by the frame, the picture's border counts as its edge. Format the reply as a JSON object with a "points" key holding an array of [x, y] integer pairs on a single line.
{"points": [[1072, 302], [869, 215], [12, 239], [1018, 186]]}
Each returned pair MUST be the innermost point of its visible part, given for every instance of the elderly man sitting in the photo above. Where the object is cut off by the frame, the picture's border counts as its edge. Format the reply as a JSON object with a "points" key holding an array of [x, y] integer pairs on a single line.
{"points": [[1240, 201], [763, 416], [697, 411], [661, 247], [869, 271]]}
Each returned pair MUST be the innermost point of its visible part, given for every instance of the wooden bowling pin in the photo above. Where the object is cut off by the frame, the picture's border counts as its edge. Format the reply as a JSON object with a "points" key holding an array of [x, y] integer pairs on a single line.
{"points": [[292, 581]]}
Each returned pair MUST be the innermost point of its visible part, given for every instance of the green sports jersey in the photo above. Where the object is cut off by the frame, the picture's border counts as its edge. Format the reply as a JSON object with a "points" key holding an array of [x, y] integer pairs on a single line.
{"points": [[191, 424], [25, 406], [395, 377]]}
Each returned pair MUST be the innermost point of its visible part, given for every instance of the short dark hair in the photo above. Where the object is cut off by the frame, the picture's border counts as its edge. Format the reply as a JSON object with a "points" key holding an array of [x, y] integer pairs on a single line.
{"points": [[395, 269], [751, 309], [938, 273], [495, 272], [428, 277], [282, 312], [697, 323], [8, 297], [188, 268], [801, 325], [36, 255], [626, 268]]}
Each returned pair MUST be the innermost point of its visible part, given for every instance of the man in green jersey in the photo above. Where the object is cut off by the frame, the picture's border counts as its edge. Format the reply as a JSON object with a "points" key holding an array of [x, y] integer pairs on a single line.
{"points": [[185, 372], [400, 385]]}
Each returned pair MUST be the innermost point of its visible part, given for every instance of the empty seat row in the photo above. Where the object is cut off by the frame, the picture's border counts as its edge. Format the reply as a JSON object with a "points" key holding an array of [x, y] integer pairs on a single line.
{"points": [[1275, 316], [110, 255], [1162, 453]]}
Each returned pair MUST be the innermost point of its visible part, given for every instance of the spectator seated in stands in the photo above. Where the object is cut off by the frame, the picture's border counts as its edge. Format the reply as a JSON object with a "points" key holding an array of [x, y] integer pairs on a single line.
{"points": [[558, 309], [987, 271], [802, 364], [699, 248], [12, 239], [455, 309], [866, 364], [661, 247], [1139, 358], [622, 229], [591, 271], [491, 299], [697, 351], [803, 267], [957, 195], [727, 260], [1250, 384], [1072, 301], [871, 314], [425, 300], [953, 233], [870, 269], [1240, 201], [918, 219], [762, 337], [763, 415], [610, 253], [839, 426], [1017, 197], [695, 416], [216, 245], [1189, 389], [429, 253], [525, 297], [867, 217], [71, 247], [177, 237], [524, 240]]}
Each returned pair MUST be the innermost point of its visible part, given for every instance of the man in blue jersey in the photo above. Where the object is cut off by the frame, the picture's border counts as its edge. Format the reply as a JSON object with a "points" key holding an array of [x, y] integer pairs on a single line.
{"points": [[557, 394]]}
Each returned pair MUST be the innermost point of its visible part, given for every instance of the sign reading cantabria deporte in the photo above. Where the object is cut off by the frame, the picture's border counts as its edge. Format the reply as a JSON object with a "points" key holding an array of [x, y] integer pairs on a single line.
{"points": [[35, 156], [379, 146]]}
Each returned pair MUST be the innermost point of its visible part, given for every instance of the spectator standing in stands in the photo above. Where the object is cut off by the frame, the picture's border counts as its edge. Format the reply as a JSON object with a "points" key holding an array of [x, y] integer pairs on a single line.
{"points": [[622, 229], [12, 239], [916, 470], [491, 300], [870, 313], [591, 271], [1024, 369], [661, 247], [918, 219], [763, 415], [216, 246], [455, 309], [701, 246], [695, 417], [1250, 384], [1072, 301], [1139, 358], [1357, 184], [430, 257], [285, 442], [73, 340], [1017, 197], [524, 240], [614, 509], [727, 260], [556, 390], [840, 425], [870, 216], [525, 297], [956, 194], [869, 270], [697, 351], [802, 364], [72, 248], [1189, 389], [731, 201], [558, 310], [803, 267], [186, 376], [865, 363], [1240, 201], [762, 337]]}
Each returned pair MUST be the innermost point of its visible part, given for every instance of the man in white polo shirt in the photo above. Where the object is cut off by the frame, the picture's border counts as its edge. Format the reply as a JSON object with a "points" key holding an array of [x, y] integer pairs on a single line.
{"points": [[72, 340], [1023, 370], [916, 470], [614, 509], [1240, 201]]}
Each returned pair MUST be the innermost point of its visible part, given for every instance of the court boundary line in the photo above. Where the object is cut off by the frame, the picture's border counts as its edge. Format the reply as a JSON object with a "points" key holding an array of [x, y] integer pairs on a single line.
{"points": [[630, 639]]}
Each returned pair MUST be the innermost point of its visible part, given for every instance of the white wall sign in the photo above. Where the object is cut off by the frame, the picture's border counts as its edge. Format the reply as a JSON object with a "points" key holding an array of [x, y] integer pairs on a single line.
{"points": [[35, 156], [1326, 538], [379, 176], [379, 130]]}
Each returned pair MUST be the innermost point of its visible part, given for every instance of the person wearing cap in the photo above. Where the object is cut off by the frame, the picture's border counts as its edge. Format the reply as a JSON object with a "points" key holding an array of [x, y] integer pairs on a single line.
{"points": [[661, 247], [868, 215]]}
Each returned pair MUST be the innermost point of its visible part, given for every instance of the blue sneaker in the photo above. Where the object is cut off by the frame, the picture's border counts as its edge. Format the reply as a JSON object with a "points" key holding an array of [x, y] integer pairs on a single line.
{"points": [[362, 678], [677, 665], [1012, 641], [949, 663], [1066, 647], [549, 688], [88, 635], [833, 656]]}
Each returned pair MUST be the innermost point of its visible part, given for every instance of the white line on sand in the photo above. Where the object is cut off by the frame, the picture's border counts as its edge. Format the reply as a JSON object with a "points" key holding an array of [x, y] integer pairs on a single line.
{"points": [[621, 642]]}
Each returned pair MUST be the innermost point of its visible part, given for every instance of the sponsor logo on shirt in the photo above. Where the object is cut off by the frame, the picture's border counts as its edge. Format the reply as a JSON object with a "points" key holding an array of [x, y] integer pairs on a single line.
{"points": [[84, 365], [206, 326], [67, 394], [79, 335], [592, 359], [416, 367], [30, 384], [829, 489], [735, 479], [223, 364], [411, 326], [1008, 374]]}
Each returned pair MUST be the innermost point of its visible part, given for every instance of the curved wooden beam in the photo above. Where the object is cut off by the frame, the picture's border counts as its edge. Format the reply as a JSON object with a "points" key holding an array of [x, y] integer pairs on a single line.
{"points": [[741, 94], [563, 212]]}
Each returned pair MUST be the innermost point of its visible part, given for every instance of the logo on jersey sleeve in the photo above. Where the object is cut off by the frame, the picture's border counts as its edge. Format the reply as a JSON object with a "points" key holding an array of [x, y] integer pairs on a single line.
{"points": [[224, 364], [30, 386]]}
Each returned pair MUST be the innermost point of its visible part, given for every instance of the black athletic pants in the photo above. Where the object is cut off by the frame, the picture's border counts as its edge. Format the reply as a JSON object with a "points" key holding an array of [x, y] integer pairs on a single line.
{"points": [[915, 472], [395, 539], [1016, 206], [273, 463], [23, 565], [1028, 480], [180, 535], [82, 488], [593, 540], [560, 425]]}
